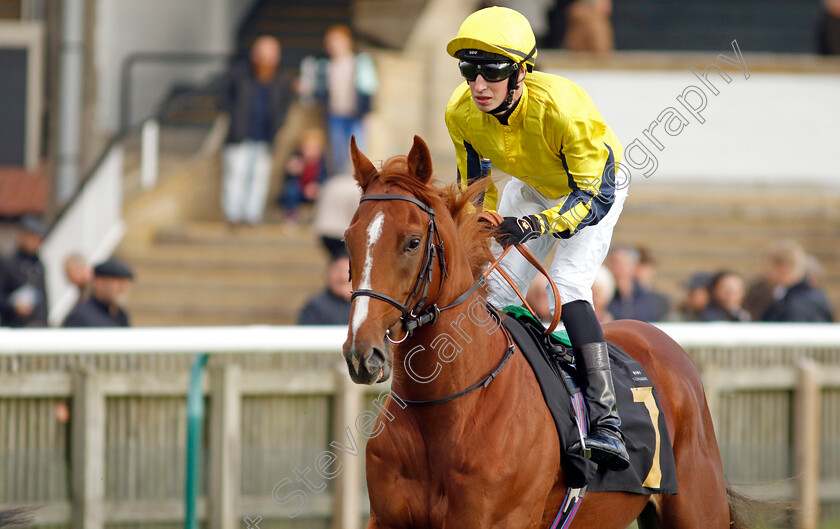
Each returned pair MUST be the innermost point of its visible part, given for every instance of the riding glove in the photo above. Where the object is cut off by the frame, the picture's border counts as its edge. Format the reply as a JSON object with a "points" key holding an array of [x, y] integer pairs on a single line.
{"points": [[517, 230]]}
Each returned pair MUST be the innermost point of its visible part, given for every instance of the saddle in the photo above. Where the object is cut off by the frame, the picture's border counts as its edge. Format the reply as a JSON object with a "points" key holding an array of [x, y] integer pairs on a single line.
{"points": [[652, 469]]}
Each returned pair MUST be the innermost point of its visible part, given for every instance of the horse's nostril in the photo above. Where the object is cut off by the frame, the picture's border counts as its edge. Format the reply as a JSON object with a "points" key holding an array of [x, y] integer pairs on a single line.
{"points": [[375, 360]]}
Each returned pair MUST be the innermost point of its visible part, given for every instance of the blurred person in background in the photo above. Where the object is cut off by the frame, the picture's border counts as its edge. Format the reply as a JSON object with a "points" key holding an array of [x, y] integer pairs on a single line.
{"points": [[726, 298], [645, 274], [603, 291], [79, 273], [345, 83], [695, 297], [794, 299], [23, 290], [828, 28], [632, 300], [256, 100], [588, 26], [105, 306], [332, 305], [334, 211], [306, 172], [546, 132]]}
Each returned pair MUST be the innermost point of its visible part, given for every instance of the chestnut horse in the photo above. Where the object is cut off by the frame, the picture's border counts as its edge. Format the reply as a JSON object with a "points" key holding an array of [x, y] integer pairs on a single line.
{"points": [[489, 458]]}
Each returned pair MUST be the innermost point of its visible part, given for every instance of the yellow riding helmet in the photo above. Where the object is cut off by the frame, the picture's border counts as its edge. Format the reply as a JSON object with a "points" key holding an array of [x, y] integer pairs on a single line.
{"points": [[499, 30]]}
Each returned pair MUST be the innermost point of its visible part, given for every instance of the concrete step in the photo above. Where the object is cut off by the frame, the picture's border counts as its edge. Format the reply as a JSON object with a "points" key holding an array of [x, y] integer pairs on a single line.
{"points": [[214, 233], [221, 255], [155, 274], [168, 316], [221, 296]]}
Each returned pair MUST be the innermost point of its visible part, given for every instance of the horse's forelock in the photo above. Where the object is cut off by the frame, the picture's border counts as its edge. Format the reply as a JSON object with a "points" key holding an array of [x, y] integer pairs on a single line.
{"points": [[472, 235]]}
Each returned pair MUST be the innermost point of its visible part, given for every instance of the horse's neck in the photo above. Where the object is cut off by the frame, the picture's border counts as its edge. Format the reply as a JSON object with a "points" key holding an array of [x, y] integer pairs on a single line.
{"points": [[464, 345]]}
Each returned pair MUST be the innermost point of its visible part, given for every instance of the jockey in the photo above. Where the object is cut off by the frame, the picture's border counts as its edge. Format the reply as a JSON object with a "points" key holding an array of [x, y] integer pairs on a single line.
{"points": [[545, 132]]}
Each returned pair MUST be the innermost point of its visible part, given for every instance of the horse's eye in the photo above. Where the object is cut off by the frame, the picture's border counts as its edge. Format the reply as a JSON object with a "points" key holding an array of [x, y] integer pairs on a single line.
{"points": [[412, 245]]}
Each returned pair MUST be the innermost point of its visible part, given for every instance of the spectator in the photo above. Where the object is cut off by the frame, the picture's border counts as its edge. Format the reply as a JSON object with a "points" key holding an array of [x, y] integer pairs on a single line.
{"points": [[631, 300], [306, 172], [23, 290], [79, 273], [332, 306], [828, 28], [256, 99], [726, 293], [334, 211], [603, 291], [645, 274], [589, 27], [794, 299], [344, 83], [105, 307], [758, 298], [696, 297]]}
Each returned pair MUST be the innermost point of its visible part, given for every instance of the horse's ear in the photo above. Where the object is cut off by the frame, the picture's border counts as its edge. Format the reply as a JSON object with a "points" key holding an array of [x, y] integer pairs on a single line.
{"points": [[420, 161], [364, 170]]}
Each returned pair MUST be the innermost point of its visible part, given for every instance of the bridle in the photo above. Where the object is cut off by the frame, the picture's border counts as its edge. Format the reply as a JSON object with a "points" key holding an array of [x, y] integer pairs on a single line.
{"points": [[419, 315]]}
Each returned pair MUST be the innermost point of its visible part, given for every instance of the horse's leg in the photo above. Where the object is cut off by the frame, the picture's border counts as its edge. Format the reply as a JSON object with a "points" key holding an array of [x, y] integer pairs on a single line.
{"points": [[650, 519], [701, 502]]}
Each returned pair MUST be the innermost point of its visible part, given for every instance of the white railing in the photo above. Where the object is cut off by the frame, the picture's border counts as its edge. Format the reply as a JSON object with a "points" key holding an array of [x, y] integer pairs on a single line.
{"points": [[229, 383], [92, 226], [286, 339]]}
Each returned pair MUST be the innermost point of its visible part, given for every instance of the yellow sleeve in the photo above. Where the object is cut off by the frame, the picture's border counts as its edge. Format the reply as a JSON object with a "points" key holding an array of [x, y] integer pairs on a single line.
{"points": [[590, 164], [469, 161]]}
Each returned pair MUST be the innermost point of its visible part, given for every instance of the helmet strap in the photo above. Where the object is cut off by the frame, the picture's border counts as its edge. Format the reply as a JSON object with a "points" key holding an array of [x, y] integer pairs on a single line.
{"points": [[513, 86]]}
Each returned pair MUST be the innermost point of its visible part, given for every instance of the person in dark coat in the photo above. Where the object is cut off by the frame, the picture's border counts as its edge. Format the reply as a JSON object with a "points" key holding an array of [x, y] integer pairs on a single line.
{"points": [[632, 300], [726, 292], [332, 305], [23, 290], [256, 99], [105, 306], [794, 298]]}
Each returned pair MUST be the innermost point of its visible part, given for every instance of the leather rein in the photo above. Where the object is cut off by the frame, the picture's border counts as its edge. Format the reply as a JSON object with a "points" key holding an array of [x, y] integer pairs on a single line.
{"points": [[420, 315]]}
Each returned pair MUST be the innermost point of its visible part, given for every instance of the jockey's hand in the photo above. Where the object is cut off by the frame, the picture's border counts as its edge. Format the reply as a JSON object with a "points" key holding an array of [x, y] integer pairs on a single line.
{"points": [[516, 230]]}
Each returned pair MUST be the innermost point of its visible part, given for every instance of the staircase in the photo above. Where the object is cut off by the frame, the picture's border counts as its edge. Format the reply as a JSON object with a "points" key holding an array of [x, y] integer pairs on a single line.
{"points": [[299, 25], [205, 273]]}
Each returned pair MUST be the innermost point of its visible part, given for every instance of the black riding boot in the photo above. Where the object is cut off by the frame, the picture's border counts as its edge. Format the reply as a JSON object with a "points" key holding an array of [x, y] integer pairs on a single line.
{"points": [[604, 438]]}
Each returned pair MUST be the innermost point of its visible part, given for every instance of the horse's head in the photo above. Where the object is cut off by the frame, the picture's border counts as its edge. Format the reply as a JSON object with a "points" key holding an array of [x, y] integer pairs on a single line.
{"points": [[395, 242]]}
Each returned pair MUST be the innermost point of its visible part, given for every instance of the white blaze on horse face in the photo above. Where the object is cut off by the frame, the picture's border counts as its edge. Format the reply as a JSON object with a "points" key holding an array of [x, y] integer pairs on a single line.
{"points": [[360, 311]]}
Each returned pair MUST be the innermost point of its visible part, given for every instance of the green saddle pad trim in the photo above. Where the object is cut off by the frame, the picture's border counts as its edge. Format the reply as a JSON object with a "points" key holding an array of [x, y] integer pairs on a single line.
{"points": [[520, 312]]}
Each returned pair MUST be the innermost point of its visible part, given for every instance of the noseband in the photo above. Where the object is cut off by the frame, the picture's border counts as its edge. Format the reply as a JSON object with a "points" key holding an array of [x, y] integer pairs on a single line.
{"points": [[419, 315]]}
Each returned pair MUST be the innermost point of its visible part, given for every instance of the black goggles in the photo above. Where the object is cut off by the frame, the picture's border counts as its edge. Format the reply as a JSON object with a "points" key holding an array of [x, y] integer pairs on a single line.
{"points": [[491, 71]]}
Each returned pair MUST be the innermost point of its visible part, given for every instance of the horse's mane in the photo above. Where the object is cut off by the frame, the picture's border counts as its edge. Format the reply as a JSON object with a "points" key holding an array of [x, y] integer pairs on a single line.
{"points": [[473, 235]]}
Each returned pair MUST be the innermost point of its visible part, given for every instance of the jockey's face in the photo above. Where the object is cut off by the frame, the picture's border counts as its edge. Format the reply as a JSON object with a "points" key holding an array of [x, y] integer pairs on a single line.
{"points": [[488, 96]]}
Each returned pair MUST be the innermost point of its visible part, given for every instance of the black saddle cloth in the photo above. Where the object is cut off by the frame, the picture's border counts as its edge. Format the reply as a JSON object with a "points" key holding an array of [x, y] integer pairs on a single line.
{"points": [[652, 469]]}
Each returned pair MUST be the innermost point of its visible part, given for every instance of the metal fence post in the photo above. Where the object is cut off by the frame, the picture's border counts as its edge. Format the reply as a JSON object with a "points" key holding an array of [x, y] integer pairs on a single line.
{"points": [[807, 442], [149, 154], [195, 415], [88, 451], [225, 446], [348, 492]]}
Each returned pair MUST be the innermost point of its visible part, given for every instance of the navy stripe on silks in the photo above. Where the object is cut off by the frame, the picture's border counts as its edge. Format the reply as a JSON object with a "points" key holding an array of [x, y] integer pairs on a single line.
{"points": [[473, 171], [473, 164], [600, 203]]}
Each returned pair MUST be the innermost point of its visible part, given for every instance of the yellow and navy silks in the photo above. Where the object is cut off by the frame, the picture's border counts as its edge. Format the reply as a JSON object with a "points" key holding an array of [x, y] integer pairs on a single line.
{"points": [[555, 141]]}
